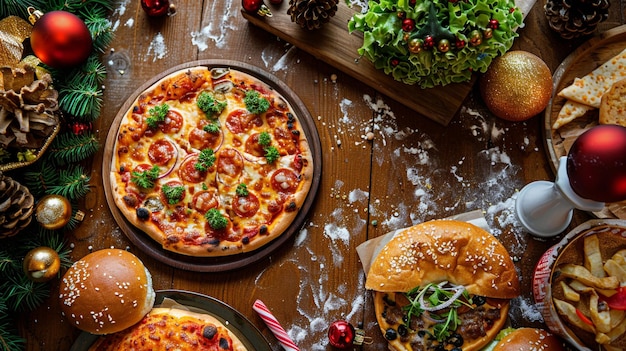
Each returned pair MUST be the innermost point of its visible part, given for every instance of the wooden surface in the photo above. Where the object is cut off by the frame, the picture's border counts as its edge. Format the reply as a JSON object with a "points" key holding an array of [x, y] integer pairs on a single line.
{"points": [[413, 170]]}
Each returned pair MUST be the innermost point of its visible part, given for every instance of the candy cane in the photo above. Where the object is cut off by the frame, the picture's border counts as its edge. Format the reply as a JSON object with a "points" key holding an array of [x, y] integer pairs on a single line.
{"points": [[272, 323]]}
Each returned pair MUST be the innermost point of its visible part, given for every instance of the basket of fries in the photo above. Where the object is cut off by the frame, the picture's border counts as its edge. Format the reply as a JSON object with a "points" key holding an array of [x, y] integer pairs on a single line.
{"points": [[579, 286]]}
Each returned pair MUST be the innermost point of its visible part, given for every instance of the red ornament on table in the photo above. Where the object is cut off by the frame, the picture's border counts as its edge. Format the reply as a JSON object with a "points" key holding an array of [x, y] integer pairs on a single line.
{"points": [[158, 8], [341, 334], [256, 7], [59, 38], [596, 164]]}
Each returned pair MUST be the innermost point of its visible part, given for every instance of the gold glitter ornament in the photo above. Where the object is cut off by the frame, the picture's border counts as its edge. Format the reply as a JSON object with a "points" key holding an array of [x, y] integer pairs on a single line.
{"points": [[41, 264], [517, 86], [53, 211]]}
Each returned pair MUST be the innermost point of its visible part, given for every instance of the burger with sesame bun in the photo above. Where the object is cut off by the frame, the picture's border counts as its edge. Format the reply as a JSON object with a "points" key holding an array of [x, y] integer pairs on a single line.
{"points": [[527, 339], [106, 291], [442, 285]]}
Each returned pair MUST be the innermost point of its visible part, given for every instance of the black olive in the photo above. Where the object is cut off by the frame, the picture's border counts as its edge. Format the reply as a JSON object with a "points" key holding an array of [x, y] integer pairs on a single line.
{"points": [[455, 339], [479, 300], [245, 240], [143, 213], [263, 229], [403, 330], [209, 332], [391, 334], [421, 333], [457, 349], [440, 347], [224, 345]]}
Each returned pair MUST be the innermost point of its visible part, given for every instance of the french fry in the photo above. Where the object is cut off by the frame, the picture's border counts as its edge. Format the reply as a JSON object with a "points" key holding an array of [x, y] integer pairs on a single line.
{"points": [[579, 286], [617, 331], [593, 256], [570, 294], [568, 311], [614, 269], [601, 319], [582, 274], [617, 316]]}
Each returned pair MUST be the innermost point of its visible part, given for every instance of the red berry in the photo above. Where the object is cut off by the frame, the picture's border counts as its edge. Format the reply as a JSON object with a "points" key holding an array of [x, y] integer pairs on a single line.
{"points": [[408, 24], [395, 62], [493, 23], [460, 44]]}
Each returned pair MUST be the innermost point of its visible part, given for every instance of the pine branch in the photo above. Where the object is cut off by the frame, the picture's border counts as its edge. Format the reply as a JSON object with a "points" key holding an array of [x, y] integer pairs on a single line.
{"points": [[54, 240], [18, 7], [99, 27], [83, 102], [39, 180], [25, 295], [68, 148], [73, 183], [9, 338], [92, 74], [76, 5]]}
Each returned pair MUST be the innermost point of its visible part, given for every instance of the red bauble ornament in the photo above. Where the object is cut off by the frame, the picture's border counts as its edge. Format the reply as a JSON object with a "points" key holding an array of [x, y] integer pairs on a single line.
{"points": [[257, 7], [158, 8], [341, 334], [596, 164], [60, 39]]}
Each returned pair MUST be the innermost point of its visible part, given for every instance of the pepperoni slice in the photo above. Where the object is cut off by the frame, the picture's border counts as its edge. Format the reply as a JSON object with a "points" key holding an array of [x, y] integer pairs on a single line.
{"points": [[240, 121], [253, 147], [245, 206], [285, 181], [275, 117], [161, 152], [204, 200], [173, 122], [229, 164], [284, 138], [188, 172], [200, 139]]}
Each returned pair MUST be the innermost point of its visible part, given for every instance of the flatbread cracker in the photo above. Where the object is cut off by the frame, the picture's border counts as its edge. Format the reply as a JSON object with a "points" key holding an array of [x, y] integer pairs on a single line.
{"points": [[589, 89], [569, 112]]}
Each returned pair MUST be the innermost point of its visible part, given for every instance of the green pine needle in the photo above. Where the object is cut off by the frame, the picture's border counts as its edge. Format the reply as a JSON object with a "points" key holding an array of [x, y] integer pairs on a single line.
{"points": [[83, 102], [9, 338], [90, 74], [75, 6], [18, 7], [99, 27], [25, 295], [68, 148], [73, 183], [39, 179]]}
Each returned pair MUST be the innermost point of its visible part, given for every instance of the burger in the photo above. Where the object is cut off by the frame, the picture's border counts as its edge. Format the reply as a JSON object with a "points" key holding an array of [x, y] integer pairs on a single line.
{"points": [[442, 285], [106, 291], [528, 339]]}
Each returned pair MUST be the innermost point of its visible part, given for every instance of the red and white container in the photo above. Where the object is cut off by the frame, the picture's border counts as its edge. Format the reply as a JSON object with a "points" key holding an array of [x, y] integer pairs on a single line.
{"points": [[542, 277]]}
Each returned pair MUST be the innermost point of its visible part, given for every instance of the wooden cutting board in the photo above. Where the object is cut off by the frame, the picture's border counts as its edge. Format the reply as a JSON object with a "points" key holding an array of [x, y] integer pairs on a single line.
{"points": [[334, 45]]}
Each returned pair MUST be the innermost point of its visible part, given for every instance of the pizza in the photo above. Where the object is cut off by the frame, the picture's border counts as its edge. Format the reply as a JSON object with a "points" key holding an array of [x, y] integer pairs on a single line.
{"points": [[172, 329], [210, 162]]}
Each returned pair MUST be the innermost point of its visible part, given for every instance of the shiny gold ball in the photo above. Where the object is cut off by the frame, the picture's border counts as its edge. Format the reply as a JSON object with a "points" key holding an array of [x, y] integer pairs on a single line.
{"points": [[41, 264], [53, 211], [517, 86]]}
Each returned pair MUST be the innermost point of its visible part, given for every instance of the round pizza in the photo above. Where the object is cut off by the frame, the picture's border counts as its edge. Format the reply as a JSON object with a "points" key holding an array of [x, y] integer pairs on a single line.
{"points": [[172, 329], [210, 162]]}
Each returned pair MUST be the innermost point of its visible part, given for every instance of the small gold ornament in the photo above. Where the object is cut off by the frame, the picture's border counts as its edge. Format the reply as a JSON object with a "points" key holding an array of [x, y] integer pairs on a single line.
{"points": [[41, 264], [444, 45], [475, 38], [53, 211], [415, 45], [488, 33]]}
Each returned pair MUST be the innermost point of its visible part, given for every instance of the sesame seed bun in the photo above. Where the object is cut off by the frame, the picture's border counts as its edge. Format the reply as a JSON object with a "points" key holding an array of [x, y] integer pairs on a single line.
{"points": [[529, 339], [106, 291], [445, 250]]}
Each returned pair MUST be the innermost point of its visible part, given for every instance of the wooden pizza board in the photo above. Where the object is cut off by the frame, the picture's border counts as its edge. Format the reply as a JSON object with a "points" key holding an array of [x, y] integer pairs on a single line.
{"points": [[334, 45]]}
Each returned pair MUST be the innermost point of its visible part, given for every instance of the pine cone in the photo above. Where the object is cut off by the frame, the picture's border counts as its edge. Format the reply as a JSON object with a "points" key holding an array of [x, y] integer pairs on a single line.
{"points": [[312, 14], [16, 206], [575, 18], [27, 108]]}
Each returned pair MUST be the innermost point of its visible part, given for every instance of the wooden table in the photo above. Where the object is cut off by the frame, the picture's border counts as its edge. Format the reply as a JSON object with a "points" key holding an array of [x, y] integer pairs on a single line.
{"points": [[412, 171]]}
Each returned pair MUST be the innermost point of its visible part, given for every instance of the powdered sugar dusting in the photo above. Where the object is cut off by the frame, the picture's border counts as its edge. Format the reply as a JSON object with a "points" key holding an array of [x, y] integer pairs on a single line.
{"points": [[157, 48], [217, 30]]}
